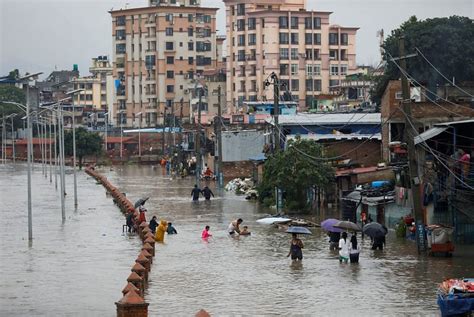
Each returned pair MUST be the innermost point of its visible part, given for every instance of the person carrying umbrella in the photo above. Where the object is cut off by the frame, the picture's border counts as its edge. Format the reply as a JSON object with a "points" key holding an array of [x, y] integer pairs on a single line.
{"points": [[296, 246], [343, 248]]}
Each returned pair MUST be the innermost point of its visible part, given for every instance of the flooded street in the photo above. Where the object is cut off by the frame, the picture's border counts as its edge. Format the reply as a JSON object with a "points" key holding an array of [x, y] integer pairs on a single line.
{"points": [[79, 267]]}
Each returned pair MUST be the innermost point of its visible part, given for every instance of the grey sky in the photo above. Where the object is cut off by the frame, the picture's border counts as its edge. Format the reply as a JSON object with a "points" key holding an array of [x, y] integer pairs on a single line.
{"points": [[39, 35]]}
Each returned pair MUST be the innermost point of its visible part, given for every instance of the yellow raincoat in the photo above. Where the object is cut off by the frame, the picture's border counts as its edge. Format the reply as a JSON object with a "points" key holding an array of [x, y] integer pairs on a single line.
{"points": [[160, 231]]}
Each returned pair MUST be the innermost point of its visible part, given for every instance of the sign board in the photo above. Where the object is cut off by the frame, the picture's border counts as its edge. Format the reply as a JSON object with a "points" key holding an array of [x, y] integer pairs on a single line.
{"points": [[420, 236]]}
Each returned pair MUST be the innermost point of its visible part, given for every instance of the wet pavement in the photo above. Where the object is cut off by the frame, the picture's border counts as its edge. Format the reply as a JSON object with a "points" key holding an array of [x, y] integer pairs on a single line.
{"points": [[79, 267]]}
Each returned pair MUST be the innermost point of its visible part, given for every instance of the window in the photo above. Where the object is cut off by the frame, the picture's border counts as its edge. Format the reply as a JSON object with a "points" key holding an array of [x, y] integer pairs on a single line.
{"points": [[251, 23], [283, 22], [284, 53], [120, 21], [317, 70], [232, 12], [333, 82], [242, 71], [316, 54], [317, 38], [190, 60], [170, 88], [190, 31], [308, 38], [294, 69], [203, 46], [316, 23], [308, 23], [207, 18], [309, 84], [169, 31], [334, 70], [294, 38], [169, 17], [241, 9], [120, 49], [190, 46], [262, 21], [253, 85], [283, 69], [169, 74], [241, 40], [169, 46], [344, 70], [252, 39], [285, 84], [344, 38], [295, 84], [190, 17], [206, 32], [120, 34], [169, 60], [343, 55], [253, 70], [317, 85], [149, 61], [309, 54], [241, 25], [309, 70], [333, 55], [398, 95], [284, 39], [294, 53], [294, 22], [241, 55], [180, 44], [333, 39]]}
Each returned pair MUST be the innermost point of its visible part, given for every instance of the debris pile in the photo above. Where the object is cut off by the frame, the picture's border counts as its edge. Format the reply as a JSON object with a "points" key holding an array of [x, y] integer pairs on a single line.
{"points": [[242, 187]]}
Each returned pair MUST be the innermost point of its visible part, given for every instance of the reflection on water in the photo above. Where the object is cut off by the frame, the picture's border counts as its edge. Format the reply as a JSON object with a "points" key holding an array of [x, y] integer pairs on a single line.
{"points": [[252, 275], [80, 267]]}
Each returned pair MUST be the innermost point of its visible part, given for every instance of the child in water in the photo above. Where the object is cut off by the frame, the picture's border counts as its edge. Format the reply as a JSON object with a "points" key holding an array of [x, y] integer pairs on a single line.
{"points": [[205, 233], [245, 231]]}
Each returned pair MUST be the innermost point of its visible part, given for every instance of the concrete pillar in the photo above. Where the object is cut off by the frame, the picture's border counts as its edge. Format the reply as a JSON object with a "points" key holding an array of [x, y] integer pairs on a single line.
{"points": [[140, 270], [147, 255], [136, 280], [143, 260], [149, 249], [145, 231], [132, 305], [151, 241], [129, 287], [202, 313]]}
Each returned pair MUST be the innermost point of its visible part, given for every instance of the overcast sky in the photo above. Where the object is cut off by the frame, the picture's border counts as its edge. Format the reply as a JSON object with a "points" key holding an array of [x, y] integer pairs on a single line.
{"points": [[43, 35]]}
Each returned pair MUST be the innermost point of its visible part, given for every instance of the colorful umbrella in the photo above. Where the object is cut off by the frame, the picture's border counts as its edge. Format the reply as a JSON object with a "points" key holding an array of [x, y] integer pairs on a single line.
{"points": [[328, 225]]}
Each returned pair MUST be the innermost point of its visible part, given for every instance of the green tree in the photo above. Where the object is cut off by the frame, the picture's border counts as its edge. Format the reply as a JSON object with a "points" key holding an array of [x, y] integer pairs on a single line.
{"points": [[446, 43], [294, 171], [14, 94], [87, 143]]}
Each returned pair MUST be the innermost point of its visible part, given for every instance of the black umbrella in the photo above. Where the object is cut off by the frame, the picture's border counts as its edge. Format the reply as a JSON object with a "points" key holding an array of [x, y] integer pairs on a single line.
{"points": [[347, 225], [141, 202], [374, 230]]}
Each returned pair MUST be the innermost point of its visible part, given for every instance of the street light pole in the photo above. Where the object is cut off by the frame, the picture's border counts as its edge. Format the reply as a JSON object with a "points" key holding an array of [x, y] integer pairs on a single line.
{"points": [[106, 128], [71, 93], [139, 135], [13, 140]]}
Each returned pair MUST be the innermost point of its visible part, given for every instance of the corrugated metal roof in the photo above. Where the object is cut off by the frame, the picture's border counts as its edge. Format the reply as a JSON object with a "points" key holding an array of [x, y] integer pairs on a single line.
{"points": [[352, 136], [329, 119], [428, 134]]}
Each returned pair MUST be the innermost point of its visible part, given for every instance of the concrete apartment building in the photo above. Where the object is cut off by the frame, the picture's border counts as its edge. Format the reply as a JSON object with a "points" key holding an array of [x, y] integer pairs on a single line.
{"points": [[301, 47], [159, 52]]}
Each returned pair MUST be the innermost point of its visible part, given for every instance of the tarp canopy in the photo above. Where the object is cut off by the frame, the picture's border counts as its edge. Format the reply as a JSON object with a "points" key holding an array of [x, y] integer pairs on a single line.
{"points": [[153, 130]]}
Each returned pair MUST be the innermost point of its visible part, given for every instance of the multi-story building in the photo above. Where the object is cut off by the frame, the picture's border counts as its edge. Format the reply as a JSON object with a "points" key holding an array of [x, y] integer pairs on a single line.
{"points": [[307, 53], [159, 51]]}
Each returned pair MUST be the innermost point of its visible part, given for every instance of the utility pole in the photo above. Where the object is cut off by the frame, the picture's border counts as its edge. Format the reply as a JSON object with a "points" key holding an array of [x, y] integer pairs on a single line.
{"points": [[163, 134], [276, 109], [219, 173], [198, 139], [412, 162]]}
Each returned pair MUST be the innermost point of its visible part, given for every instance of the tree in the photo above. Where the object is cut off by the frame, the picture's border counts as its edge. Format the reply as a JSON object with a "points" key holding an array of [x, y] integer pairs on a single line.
{"points": [[87, 143], [13, 94], [294, 171], [446, 43]]}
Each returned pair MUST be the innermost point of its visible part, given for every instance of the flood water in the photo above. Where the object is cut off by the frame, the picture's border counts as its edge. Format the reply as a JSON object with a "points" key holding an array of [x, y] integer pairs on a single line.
{"points": [[79, 267]]}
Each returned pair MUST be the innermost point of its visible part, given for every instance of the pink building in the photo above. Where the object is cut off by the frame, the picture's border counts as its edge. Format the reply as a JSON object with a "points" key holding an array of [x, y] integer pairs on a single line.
{"points": [[307, 53]]}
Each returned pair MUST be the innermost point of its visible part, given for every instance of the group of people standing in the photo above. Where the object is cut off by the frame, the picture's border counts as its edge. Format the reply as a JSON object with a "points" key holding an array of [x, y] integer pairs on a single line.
{"points": [[206, 192]]}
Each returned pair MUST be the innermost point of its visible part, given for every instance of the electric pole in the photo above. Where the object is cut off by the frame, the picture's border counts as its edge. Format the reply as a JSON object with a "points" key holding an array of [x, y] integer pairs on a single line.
{"points": [[219, 173], [409, 138], [276, 109], [163, 134], [198, 139]]}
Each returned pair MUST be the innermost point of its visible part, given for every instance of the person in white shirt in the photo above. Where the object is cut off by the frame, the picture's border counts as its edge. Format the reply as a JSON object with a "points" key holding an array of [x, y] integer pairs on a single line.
{"points": [[344, 248], [234, 226]]}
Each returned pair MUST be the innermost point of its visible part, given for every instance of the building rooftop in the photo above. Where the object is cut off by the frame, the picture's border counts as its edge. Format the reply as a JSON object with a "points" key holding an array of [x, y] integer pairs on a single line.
{"points": [[328, 119]]}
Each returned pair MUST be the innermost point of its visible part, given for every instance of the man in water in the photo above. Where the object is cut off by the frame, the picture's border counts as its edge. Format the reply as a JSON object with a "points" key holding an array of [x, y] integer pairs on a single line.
{"points": [[195, 193], [206, 192], [234, 226]]}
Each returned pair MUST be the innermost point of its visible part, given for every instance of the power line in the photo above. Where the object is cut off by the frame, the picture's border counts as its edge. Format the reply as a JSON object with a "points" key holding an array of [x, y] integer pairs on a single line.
{"points": [[437, 70]]}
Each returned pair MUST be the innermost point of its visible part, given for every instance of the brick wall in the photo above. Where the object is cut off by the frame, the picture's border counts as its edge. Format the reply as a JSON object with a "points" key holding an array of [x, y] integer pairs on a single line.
{"points": [[367, 154], [237, 169]]}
